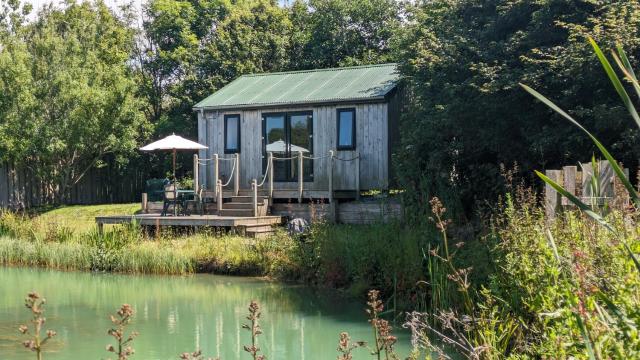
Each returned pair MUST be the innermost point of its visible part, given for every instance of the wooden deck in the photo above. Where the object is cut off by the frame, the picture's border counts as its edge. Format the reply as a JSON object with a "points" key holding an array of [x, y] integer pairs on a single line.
{"points": [[190, 220]]}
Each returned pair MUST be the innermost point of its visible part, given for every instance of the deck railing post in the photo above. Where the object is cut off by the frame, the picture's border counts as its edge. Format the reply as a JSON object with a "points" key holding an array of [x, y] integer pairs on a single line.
{"points": [[270, 175], [236, 180], [254, 187], [300, 176], [145, 203], [330, 176], [219, 196], [195, 172], [215, 174], [357, 175]]}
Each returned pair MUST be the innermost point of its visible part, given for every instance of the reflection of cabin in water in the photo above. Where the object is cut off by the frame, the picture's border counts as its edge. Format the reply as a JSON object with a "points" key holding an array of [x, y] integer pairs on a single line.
{"points": [[340, 124]]}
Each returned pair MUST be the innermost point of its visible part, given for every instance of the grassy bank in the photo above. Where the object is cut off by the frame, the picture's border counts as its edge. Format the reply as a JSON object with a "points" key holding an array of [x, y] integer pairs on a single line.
{"points": [[355, 258]]}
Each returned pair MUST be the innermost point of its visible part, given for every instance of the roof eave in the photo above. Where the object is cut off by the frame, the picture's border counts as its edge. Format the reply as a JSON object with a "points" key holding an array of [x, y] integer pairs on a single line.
{"points": [[381, 98]]}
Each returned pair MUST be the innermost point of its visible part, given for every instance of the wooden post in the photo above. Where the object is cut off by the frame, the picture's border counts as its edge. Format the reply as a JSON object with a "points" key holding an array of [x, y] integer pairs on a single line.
{"points": [[236, 180], [551, 196], [270, 175], [254, 187], [569, 179], [300, 176], [330, 176], [216, 170], [357, 175], [145, 205], [195, 173], [219, 196]]}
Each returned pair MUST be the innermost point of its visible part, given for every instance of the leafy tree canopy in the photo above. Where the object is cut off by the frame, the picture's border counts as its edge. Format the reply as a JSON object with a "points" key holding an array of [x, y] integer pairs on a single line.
{"points": [[67, 97], [462, 61]]}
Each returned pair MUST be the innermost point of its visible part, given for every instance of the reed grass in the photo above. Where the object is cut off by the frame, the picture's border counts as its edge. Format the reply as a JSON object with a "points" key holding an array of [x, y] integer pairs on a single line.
{"points": [[356, 258], [63, 256]]}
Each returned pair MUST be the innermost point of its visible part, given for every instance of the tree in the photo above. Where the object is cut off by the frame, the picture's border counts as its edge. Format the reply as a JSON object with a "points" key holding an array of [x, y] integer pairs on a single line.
{"points": [[333, 33], [67, 97], [462, 61], [194, 48]]}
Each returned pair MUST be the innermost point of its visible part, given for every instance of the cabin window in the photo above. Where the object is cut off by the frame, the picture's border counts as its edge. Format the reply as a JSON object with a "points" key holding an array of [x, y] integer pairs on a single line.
{"points": [[346, 129], [231, 134]]}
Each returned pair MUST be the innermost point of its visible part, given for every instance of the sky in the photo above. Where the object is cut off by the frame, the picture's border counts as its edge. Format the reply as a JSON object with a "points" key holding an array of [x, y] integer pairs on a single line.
{"points": [[37, 4]]}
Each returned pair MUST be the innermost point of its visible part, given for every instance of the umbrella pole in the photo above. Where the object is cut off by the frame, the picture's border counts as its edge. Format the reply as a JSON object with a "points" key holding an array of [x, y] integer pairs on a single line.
{"points": [[175, 183], [174, 167]]}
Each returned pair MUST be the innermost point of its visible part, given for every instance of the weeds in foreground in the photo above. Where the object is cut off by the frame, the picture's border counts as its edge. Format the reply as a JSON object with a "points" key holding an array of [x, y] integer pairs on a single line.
{"points": [[35, 304], [346, 346], [603, 323], [196, 355], [121, 321], [384, 340], [254, 328]]}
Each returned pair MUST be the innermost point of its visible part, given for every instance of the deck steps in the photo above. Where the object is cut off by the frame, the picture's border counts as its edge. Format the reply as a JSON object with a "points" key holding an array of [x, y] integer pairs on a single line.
{"points": [[243, 206], [247, 199], [238, 205], [236, 212]]}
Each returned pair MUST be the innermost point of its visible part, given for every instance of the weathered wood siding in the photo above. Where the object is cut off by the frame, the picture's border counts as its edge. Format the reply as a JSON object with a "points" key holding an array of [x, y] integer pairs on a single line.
{"points": [[372, 143], [346, 213]]}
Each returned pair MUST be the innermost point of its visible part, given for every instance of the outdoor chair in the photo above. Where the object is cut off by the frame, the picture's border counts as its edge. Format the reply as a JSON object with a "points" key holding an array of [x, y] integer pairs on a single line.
{"points": [[170, 197], [155, 189]]}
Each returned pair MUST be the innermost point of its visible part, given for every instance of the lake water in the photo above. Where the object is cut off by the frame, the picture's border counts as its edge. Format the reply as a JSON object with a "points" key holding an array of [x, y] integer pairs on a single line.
{"points": [[178, 314]]}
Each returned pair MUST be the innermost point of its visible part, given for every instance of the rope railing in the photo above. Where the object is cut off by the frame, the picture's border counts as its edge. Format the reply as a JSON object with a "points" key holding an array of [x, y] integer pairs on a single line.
{"points": [[266, 173], [316, 158], [269, 174], [233, 171]]}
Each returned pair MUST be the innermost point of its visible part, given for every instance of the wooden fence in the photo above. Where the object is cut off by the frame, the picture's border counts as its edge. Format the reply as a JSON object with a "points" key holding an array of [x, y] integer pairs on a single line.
{"points": [[20, 189], [579, 181]]}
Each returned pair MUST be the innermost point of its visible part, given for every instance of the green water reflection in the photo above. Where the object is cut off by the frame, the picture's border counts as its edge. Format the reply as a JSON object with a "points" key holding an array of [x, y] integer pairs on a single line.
{"points": [[177, 314]]}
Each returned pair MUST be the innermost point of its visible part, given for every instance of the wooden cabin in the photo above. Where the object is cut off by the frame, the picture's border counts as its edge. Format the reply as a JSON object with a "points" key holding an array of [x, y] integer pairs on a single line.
{"points": [[305, 135], [335, 125]]}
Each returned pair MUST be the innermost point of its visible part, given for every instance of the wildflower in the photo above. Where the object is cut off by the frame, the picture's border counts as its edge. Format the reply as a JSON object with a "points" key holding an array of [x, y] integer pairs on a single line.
{"points": [[345, 346], [255, 329], [124, 349], [35, 303]]}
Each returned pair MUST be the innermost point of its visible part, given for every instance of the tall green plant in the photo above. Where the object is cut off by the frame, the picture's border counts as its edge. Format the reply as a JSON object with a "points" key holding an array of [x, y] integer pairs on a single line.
{"points": [[616, 320], [623, 63]]}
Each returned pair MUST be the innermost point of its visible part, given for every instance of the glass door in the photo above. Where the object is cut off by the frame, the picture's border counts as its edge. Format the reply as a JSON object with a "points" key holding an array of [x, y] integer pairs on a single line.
{"points": [[285, 135], [275, 141]]}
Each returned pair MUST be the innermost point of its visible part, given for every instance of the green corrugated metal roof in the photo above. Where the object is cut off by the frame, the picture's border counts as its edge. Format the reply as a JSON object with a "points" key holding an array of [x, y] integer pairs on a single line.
{"points": [[305, 87]]}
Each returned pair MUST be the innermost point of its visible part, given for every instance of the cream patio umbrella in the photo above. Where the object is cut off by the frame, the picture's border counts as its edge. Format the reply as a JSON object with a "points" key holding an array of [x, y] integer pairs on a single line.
{"points": [[174, 143]]}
